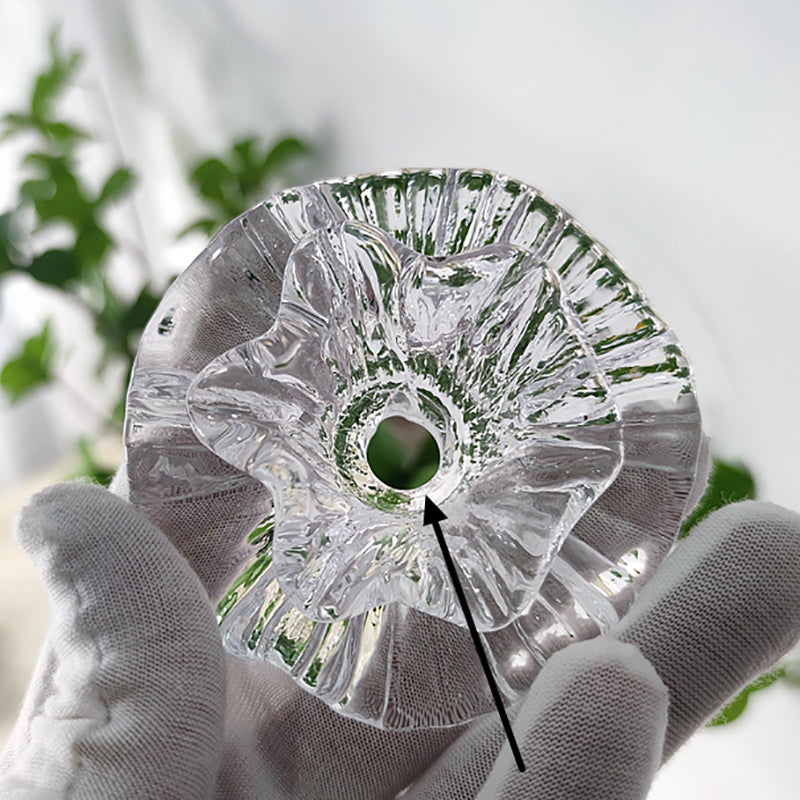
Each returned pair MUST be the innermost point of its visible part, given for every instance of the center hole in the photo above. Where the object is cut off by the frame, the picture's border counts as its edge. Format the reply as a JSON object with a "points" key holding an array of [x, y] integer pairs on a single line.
{"points": [[402, 454]]}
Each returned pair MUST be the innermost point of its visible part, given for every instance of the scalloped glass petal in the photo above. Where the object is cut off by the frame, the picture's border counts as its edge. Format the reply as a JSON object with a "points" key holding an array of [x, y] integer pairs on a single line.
{"points": [[481, 349], [465, 303]]}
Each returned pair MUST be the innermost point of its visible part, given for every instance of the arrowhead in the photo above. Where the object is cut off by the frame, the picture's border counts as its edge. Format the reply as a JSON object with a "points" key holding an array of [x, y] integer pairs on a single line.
{"points": [[432, 512]]}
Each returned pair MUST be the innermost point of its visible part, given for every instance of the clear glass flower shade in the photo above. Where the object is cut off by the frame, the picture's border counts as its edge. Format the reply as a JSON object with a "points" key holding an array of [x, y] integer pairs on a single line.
{"points": [[462, 301]]}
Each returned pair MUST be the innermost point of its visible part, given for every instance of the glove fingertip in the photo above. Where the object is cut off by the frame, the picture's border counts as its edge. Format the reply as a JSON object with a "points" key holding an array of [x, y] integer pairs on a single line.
{"points": [[592, 727], [132, 701], [46, 518], [722, 609]]}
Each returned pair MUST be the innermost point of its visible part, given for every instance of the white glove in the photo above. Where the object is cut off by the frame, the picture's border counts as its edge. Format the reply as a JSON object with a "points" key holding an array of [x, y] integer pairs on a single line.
{"points": [[129, 699]]}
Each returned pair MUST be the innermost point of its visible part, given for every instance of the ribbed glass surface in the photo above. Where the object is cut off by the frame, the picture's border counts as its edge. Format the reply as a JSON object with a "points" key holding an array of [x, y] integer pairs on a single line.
{"points": [[464, 302]]}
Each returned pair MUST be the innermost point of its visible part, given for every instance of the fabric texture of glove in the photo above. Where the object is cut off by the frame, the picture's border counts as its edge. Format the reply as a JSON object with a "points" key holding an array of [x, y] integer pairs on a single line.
{"points": [[133, 697], [123, 703]]}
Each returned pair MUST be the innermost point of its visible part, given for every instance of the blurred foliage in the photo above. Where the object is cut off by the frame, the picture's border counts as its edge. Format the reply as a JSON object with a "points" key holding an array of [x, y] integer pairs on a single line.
{"points": [[32, 367], [727, 483], [89, 466], [736, 707], [231, 185], [55, 196]]}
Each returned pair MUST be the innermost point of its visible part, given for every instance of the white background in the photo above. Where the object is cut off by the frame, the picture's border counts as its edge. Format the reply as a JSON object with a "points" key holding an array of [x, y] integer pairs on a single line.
{"points": [[670, 130]]}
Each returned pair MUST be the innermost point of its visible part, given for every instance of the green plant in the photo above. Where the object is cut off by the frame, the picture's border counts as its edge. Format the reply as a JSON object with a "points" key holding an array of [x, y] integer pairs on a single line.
{"points": [[57, 197], [736, 707], [727, 483], [230, 184]]}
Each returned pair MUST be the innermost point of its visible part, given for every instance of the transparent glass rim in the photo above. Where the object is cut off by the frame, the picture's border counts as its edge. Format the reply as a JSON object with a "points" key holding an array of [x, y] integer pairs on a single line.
{"points": [[437, 212]]}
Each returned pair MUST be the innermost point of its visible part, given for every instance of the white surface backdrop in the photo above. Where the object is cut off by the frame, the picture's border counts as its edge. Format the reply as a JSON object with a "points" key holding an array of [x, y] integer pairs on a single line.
{"points": [[669, 130]]}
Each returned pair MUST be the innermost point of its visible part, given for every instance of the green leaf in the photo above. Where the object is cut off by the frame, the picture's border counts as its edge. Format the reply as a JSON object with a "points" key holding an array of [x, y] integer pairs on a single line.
{"points": [[90, 467], [65, 133], [245, 150], [57, 194], [118, 184], [736, 707], [10, 257], [32, 367], [55, 79], [282, 154], [121, 323], [46, 160], [55, 267], [230, 183], [214, 180], [137, 315], [14, 123], [732, 711], [248, 166], [92, 244], [728, 483], [109, 328], [48, 89], [118, 412], [36, 189]]}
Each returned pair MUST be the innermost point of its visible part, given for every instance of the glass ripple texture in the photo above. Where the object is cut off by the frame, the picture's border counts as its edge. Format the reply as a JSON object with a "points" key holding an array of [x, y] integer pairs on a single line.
{"points": [[469, 304]]}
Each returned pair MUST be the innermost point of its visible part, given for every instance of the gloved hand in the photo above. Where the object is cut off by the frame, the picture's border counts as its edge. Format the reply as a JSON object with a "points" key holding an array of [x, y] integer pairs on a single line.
{"points": [[133, 696]]}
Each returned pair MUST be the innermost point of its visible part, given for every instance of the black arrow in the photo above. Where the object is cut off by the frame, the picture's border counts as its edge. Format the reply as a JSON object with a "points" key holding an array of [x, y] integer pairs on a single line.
{"points": [[433, 515]]}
